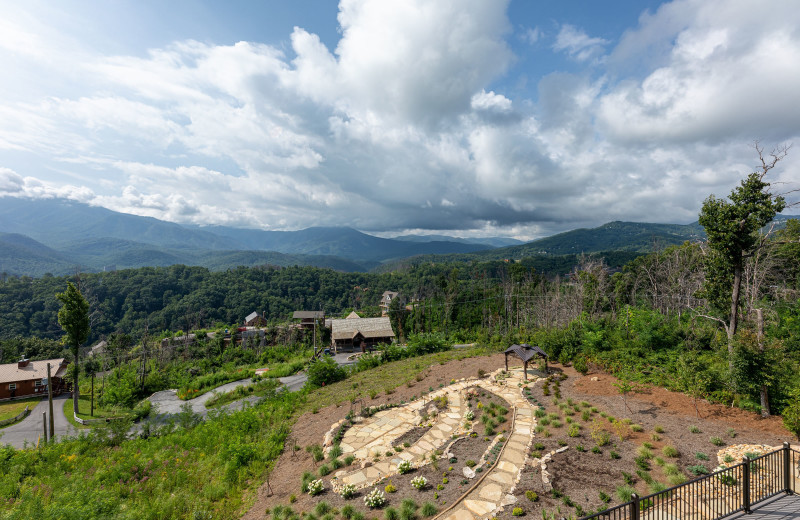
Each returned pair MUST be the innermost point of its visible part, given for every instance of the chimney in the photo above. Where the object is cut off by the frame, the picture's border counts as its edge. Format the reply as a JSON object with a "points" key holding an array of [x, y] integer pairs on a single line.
{"points": [[22, 363]]}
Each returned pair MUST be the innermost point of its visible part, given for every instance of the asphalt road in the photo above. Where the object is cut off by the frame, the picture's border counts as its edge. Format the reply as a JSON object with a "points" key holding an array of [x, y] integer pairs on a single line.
{"points": [[30, 429]]}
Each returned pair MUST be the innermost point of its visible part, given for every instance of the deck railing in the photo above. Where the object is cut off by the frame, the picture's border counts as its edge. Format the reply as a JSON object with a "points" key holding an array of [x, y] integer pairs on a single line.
{"points": [[719, 494]]}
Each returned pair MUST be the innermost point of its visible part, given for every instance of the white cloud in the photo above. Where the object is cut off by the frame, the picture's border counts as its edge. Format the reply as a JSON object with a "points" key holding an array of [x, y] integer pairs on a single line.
{"points": [[577, 44], [531, 36], [408, 122]]}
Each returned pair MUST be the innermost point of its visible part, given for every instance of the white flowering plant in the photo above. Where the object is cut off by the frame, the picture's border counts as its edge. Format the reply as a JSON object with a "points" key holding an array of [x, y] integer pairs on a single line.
{"points": [[347, 491], [404, 467], [375, 498], [315, 487], [419, 482]]}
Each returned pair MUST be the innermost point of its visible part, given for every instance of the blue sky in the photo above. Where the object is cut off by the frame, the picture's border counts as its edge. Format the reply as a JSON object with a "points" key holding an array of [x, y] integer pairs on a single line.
{"points": [[466, 117]]}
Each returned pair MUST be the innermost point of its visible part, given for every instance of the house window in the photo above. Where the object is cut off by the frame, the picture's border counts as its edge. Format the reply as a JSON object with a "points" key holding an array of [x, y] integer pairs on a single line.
{"points": [[38, 382], [12, 386]]}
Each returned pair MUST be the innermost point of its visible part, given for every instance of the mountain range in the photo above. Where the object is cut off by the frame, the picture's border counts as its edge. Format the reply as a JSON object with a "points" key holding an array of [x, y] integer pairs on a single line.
{"points": [[59, 236]]}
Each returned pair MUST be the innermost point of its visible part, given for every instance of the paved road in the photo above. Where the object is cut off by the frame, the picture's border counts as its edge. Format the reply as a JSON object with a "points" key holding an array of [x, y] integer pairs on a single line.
{"points": [[30, 429]]}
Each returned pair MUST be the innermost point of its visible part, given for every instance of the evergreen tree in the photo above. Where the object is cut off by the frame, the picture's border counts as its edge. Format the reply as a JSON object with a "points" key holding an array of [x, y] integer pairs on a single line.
{"points": [[74, 319], [732, 227]]}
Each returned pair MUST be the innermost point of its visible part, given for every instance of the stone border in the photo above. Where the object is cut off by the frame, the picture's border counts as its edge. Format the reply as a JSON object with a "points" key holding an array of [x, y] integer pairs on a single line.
{"points": [[486, 473], [19, 417]]}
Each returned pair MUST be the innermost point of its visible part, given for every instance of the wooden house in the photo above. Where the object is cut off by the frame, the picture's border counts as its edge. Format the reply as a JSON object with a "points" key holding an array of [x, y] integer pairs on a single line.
{"points": [[357, 333], [29, 378], [309, 318]]}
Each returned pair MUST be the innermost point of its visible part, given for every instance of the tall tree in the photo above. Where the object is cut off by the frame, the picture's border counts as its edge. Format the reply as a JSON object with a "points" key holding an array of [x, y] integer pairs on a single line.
{"points": [[732, 227], [74, 319]]}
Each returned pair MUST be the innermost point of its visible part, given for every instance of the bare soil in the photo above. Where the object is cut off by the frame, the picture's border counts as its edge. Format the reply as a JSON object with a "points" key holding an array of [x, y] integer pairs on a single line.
{"points": [[578, 476], [310, 428]]}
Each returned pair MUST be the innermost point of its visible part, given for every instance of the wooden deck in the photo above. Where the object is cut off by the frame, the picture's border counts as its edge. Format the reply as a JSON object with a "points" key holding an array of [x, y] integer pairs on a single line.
{"points": [[781, 507]]}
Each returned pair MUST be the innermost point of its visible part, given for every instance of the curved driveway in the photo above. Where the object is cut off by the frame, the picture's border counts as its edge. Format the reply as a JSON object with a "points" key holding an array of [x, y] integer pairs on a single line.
{"points": [[30, 429]]}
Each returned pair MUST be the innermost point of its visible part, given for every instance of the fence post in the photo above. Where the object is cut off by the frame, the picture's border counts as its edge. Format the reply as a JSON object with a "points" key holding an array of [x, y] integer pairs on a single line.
{"points": [[634, 506], [746, 483], [787, 468]]}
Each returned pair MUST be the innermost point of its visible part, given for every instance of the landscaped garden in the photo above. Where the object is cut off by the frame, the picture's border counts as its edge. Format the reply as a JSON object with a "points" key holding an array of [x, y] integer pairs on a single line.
{"points": [[590, 448]]}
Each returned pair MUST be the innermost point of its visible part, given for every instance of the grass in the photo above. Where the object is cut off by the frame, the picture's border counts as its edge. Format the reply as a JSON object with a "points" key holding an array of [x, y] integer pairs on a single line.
{"points": [[261, 388], [11, 409], [399, 372], [84, 405]]}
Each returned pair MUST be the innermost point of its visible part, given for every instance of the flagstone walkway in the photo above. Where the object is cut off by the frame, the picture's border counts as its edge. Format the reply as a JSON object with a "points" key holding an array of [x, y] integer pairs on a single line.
{"points": [[490, 492]]}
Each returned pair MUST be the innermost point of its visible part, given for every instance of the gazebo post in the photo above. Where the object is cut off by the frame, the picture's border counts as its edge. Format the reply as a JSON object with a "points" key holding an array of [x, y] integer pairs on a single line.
{"points": [[525, 369], [506, 362]]}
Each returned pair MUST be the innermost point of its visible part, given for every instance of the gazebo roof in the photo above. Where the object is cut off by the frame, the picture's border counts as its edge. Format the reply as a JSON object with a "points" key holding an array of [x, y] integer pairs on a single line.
{"points": [[525, 352]]}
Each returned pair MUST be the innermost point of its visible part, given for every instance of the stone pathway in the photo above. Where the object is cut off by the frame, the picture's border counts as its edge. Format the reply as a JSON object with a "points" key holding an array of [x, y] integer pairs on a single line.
{"points": [[495, 490], [492, 491], [375, 436]]}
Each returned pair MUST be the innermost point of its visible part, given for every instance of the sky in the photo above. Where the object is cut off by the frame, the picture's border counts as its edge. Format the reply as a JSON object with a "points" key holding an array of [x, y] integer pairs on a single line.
{"points": [[461, 117]]}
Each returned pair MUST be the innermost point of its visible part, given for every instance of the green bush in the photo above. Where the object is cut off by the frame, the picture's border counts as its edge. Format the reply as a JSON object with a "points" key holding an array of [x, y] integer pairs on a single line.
{"points": [[324, 372]]}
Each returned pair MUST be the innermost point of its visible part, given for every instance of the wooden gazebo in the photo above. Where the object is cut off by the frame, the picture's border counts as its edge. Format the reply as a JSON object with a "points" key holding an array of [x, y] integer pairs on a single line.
{"points": [[526, 352]]}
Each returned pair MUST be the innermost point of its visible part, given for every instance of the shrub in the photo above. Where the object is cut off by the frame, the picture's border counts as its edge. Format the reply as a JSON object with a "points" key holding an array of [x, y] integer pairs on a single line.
{"points": [[316, 453], [347, 491], [531, 495], [347, 511], [716, 441], [325, 371], [419, 482], [390, 488], [728, 458], [324, 470], [658, 429], [628, 478], [670, 451], [517, 511], [585, 416], [374, 499], [322, 508], [471, 463], [637, 428], [694, 429], [574, 430], [614, 455], [596, 449], [404, 467], [336, 464], [391, 514], [349, 460], [645, 452], [315, 487], [580, 448], [697, 470], [700, 456], [604, 497], [731, 433]]}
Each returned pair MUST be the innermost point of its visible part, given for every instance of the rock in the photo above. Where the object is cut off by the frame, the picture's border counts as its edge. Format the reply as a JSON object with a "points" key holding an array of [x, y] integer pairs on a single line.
{"points": [[366, 464], [469, 472], [595, 378], [508, 500], [562, 449]]}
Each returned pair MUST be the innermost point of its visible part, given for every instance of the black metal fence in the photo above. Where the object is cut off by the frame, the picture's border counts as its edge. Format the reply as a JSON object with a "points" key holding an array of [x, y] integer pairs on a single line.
{"points": [[719, 494]]}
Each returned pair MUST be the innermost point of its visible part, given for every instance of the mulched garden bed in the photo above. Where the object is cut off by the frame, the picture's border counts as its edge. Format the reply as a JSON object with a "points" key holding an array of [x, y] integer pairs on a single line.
{"points": [[445, 478], [588, 477]]}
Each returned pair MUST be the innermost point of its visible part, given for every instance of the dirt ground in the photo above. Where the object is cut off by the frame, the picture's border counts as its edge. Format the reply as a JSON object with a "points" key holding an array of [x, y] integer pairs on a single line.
{"points": [[580, 476], [311, 428]]}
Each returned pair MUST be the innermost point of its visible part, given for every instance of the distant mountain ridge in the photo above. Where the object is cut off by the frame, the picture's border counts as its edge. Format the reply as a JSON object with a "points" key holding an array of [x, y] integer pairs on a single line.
{"points": [[59, 236]]}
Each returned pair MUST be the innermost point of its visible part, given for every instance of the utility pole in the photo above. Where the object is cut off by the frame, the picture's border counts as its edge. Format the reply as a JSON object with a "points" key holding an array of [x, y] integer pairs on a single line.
{"points": [[44, 426], [50, 400]]}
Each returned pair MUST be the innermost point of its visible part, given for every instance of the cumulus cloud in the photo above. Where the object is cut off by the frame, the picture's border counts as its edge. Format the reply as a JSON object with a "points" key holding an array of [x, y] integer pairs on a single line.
{"points": [[405, 124]]}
